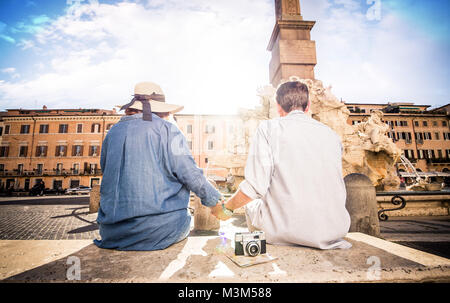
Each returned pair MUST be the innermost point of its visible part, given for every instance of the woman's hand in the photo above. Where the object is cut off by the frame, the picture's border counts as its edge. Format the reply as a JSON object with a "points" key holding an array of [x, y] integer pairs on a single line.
{"points": [[217, 211]]}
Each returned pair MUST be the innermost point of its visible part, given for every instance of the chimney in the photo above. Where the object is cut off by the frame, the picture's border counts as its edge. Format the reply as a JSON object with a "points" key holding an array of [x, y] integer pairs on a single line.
{"points": [[44, 107]]}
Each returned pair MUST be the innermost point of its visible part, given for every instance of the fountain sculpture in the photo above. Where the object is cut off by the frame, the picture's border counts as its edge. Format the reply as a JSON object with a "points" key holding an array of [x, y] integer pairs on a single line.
{"points": [[366, 147]]}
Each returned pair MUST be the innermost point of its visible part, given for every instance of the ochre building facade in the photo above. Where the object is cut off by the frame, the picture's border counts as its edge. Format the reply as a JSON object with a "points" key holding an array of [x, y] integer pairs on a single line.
{"points": [[62, 146]]}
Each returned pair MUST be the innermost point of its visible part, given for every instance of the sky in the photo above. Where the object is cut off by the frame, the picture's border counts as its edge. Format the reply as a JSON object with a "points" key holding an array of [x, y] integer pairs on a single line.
{"points": [[210, 55]]}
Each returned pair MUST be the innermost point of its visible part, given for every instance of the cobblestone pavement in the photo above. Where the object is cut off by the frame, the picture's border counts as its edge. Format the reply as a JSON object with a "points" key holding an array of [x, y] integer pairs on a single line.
{"points": [[67, 218], [47, 219], [429, 234]]}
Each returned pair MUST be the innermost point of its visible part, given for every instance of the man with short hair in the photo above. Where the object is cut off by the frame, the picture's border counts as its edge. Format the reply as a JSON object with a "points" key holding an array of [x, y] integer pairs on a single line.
{"points": [[148, 173], [294, 189]]}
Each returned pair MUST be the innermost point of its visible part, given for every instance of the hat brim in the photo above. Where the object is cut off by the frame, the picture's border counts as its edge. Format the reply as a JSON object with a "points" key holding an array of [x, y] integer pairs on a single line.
{"points": [[159, 107]]}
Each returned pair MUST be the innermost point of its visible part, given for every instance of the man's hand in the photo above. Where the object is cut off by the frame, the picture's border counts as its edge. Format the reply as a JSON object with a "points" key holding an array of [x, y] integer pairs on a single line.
{"points": [[217, 212]]}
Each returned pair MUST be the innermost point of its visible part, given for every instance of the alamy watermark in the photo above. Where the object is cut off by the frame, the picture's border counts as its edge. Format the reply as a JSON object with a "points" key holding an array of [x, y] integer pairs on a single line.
{"points": [[74, 270], [374, 11], [374, 271], [76, 4]]}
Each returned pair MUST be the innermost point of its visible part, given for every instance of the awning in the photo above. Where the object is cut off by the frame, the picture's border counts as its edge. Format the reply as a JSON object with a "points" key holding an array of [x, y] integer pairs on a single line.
{"points": [[422, 174]]}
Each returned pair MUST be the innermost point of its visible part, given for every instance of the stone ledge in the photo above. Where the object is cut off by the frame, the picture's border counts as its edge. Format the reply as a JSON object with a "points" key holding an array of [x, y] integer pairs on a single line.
{"points": [[197, 259]]}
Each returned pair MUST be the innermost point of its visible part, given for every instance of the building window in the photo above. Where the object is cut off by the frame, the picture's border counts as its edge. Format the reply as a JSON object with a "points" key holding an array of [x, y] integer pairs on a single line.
{"points": [[420, 154], [425, 123], [93, 151], [4, 151], [409, 153], [206, 160], [439, 152], [447, 151], [435, 123], [446, 136], [2, 168], [77, 150], [407, 137], [210, 145], [444, 124], [436, 135], [61, 151], [189, 129], [189, 144], [74, 183], [1, 131], [76, 168], [59, 168], [20, 169], [427, 136], [25, 129], [41, 151], [63, 128], [403, 123], [40, 169], [43, 129], [95, 128], [57, 184], [93, 168], [79, 128], [416, 123], [23, 151], [210, 129], [7, 129]]}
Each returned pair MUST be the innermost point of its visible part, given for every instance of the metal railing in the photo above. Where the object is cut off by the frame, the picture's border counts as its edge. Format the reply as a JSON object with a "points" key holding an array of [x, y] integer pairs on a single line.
{"points": [[54, 172]]}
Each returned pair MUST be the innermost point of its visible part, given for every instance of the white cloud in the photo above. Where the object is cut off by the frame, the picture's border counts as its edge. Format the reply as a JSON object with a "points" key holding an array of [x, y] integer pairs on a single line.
{"points": [[8, 70], [201, 52], [376, 61]]}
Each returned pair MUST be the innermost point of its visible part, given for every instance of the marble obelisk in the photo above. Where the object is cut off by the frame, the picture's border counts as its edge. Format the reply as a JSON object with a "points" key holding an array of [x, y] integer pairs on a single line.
{"points": [[293, 52]]}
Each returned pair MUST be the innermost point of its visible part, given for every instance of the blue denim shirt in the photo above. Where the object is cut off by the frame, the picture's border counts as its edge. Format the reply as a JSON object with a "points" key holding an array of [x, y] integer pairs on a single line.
{"points": [[148, 173]]}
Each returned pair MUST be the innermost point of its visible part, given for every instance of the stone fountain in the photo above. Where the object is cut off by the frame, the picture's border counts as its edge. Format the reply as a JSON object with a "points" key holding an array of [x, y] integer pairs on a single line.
{"points": [[366, 147]]}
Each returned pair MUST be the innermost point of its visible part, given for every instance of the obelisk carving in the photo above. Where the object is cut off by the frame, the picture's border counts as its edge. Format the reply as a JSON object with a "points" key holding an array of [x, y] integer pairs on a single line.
{"points": [[293, 52]]}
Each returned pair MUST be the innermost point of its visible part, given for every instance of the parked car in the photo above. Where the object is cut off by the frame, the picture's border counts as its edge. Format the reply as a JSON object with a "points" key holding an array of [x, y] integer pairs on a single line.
{"points": [[80, 190], [37, 191]]}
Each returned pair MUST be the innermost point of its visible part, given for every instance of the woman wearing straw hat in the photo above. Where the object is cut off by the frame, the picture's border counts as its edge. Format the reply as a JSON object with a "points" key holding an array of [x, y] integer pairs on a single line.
{"points": [[148, 173]]}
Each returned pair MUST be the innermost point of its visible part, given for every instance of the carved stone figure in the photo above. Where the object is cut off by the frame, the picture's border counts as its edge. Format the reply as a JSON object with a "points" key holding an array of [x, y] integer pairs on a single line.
{"points": [[366, 147]]}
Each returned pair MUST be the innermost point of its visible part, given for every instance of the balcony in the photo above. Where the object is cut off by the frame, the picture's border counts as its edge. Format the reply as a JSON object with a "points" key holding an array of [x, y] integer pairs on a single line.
{"points": [[438, 161], [93, 171], [51, 173]]}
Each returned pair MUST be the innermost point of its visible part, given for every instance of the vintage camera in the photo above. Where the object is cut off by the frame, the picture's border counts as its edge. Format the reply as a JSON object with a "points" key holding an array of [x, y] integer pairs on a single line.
{"points": [[250, 244]]}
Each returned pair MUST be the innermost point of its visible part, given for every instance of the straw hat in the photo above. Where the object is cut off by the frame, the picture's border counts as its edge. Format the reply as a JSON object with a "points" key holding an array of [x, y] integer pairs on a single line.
{"points": [[153, 91]]}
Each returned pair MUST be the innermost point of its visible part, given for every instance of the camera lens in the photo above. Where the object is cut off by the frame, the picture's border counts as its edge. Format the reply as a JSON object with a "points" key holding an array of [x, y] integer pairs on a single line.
{"points": [[253, 249]]}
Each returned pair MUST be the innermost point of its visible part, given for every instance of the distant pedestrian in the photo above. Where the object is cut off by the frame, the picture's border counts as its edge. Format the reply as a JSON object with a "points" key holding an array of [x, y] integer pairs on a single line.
{"points": [[41, 188]]}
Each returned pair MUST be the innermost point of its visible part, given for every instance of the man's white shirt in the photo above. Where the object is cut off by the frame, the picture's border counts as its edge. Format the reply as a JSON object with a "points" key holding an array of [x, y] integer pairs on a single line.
{"points": [[294, 173]]}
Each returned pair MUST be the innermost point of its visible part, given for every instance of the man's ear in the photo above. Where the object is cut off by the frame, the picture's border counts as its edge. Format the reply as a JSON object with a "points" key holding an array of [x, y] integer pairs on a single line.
{"points": [[307, 107]]}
